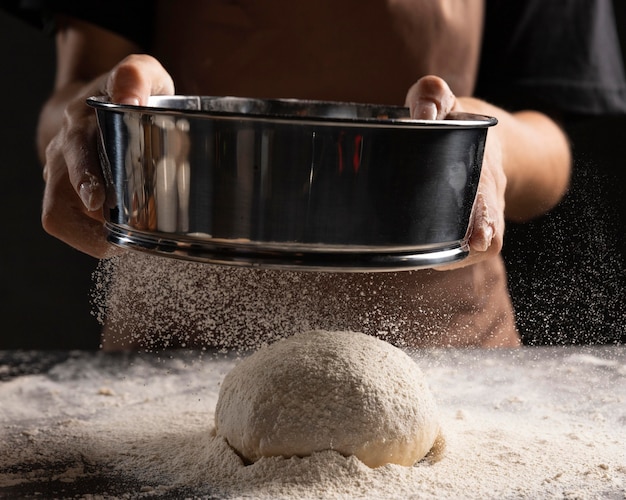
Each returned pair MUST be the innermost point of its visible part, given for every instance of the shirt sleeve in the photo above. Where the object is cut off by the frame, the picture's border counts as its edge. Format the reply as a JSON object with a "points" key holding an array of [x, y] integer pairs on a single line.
{"points": [[555, 56], [131, 19]]}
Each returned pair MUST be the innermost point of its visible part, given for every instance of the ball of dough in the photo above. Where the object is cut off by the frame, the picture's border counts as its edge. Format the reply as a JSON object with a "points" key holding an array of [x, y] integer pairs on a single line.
{"points": [[319, 390]]}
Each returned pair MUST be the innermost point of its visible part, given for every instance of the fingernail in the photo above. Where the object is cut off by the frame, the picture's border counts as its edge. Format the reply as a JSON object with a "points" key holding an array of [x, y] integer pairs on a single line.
{"points": [[132, 101], [86, 194], [425, 110]]}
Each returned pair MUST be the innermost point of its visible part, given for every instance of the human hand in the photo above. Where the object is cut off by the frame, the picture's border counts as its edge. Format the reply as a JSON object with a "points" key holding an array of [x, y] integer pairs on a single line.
{"points": [[75, 191], [430, 98]]}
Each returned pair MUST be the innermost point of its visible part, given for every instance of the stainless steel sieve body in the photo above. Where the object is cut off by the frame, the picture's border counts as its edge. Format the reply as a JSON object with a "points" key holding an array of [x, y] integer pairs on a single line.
{"points": [[289, 184]]}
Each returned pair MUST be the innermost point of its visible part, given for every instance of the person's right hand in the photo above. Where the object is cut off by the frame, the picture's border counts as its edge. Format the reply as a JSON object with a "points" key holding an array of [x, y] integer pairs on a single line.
{"points": [[431, 98], [75, 191]]}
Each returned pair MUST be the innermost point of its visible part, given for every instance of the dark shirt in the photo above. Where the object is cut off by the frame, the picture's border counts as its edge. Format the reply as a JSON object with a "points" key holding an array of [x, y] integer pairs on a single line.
{"points": [[556, 56], [132, 19]]}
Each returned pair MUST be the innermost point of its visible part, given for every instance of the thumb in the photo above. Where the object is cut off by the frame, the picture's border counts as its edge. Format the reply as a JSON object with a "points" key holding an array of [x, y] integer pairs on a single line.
{"points": [[430, 98], [136, 78]]}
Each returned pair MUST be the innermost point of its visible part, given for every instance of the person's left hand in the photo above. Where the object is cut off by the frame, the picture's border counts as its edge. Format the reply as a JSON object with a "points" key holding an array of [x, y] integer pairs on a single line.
{"points": [[430, 98]]}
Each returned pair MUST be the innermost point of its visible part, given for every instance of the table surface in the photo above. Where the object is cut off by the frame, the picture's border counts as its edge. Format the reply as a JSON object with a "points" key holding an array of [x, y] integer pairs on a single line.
{"points": [[525, 423]]}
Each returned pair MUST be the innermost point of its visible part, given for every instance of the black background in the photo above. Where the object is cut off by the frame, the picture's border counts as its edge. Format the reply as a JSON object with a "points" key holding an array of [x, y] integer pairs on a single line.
{"points": [[567, 269]]}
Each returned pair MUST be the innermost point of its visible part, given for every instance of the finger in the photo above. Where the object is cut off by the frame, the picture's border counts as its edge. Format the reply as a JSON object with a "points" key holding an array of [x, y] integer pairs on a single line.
{"points": [[430, 98], [64, 217], [488, 212], [484, 227], [136, 78], [75, 149]]}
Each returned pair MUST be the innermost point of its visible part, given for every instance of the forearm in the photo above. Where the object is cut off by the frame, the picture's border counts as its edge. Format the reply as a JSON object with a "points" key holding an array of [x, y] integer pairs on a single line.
{"points": [[537, 163], [536, 159]]}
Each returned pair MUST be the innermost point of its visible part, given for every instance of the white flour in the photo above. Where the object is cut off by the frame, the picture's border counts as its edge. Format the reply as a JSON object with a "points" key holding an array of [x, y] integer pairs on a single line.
{"points": [[533, 423], [190, 304]]}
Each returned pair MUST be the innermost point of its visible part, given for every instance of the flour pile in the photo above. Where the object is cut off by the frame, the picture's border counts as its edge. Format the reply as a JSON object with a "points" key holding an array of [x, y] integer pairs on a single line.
{"points": [[531, 423]]}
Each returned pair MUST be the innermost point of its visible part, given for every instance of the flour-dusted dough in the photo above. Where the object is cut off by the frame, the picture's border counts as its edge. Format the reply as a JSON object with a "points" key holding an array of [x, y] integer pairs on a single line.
{"points": [[319, 390]]}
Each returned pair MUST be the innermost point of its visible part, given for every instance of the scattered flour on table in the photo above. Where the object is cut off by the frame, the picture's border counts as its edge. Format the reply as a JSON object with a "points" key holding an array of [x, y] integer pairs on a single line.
{"points": [[532, 424]]}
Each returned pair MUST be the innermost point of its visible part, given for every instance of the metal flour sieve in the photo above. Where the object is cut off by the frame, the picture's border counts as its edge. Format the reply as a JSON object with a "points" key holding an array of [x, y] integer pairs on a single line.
{"points": [[291, 184]]}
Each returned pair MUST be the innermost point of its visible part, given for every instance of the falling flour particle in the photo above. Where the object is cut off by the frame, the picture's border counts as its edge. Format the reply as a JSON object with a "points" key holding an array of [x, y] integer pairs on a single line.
{"points": [[155, 302]]}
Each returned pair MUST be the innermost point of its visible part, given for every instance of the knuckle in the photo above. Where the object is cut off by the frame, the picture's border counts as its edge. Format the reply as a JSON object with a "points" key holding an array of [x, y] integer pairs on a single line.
{"points": [[50, 152], [49, 221], [126, 71], [431, 85], [132, 68]]}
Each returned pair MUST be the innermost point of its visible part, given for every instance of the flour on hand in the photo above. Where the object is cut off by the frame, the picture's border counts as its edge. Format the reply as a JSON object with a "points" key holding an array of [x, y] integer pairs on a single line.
{"points": [[315, 391]]}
